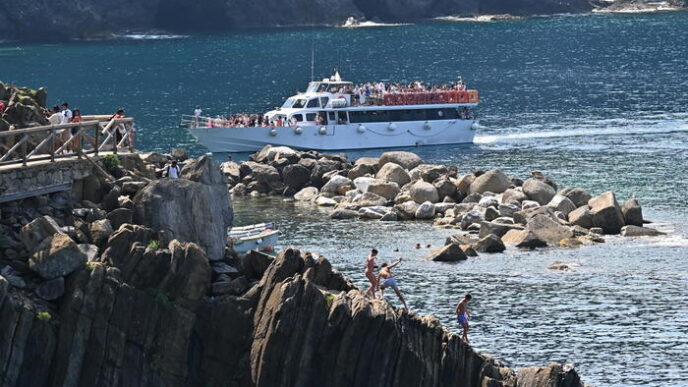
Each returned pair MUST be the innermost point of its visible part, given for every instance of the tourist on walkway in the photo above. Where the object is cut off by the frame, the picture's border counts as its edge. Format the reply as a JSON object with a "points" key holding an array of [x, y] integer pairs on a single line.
{"points": [[76, 118], [57, 117], [370, 273], [462, 315], [66, 113], [120, 129], [389, 281]]}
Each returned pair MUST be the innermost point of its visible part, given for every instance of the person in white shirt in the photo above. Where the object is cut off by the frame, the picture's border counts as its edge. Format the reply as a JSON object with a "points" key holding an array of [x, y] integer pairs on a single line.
{"points": [[197, 115], [173, 170], [66, 113], [57, 117]]}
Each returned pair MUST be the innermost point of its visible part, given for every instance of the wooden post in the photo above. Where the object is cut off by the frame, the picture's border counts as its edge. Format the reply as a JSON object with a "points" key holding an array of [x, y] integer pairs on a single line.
{"points": [[24, 144], [97, 137], [52, 144]]}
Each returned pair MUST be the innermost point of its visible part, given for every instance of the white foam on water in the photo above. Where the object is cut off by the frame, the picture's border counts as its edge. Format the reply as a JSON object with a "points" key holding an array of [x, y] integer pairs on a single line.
{"points": [[593, 131], [366, 24], [151, 36]]}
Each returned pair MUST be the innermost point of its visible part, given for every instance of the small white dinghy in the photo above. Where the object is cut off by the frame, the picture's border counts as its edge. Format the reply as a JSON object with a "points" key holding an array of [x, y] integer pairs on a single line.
{"points": [[261, 237]]}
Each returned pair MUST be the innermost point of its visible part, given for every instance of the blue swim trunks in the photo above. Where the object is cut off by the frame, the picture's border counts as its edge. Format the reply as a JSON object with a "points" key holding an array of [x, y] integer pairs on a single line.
{"points": [[389, 283], [462, 318]]}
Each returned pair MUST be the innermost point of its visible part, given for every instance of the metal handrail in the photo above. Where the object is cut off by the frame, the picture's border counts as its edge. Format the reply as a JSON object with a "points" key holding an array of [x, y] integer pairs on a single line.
{"points": [[62, 141]]}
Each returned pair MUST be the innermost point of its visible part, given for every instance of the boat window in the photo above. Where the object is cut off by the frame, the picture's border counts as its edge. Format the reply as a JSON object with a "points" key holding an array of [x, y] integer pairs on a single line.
{"points": [[341, 118], [310, 116], [403, 115], [322, 87], [297, 117], [323, 101], [331, 116], [299, 103], [288, 103], [313, 103]]}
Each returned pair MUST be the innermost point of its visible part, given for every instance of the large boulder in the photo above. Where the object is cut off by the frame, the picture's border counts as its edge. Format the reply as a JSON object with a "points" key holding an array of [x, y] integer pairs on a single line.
{"points": [[445, 188], [494, 181], [322, 167], [407, 160], [422, 191], [428, 172], [606, 213], [388, 190], [296, 176], [265, 174], [393, 173], [547, 229], [57, 256], [362, 183], [524, 239], [360, 170], [562, 204], [498, 229], [581, 217], [489, 244], [198, 211], [407, 209], [425, 211], [369, 199], [307, 194], [100, 231], [637, 231], [578, 196], [119, 217], [513, 195], [554, 375], [448, 253], [337, 185], [538, 190], [40, 228], [632, 212]]}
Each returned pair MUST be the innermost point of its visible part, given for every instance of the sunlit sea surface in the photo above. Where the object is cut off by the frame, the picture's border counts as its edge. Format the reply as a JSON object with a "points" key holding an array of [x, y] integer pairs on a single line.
{"points": [[596, 101]]}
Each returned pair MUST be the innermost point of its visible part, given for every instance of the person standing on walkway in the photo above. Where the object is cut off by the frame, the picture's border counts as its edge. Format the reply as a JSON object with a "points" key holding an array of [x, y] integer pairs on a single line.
{"points": [[462, 315], [370, 273]]}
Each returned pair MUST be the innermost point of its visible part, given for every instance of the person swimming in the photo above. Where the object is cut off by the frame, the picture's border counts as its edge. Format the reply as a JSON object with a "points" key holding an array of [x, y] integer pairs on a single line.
{"points": [[462, 315], [390, 281], [370, 273]]}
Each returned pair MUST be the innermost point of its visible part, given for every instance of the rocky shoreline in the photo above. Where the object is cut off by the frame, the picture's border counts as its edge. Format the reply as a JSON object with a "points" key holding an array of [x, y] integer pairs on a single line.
{"points": [[131, 282], [493, 211], [35, 21]]}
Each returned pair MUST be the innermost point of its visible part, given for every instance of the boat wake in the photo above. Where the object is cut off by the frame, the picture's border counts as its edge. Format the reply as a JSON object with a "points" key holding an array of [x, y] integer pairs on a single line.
{"points": [[612, 131], [150, 36]]}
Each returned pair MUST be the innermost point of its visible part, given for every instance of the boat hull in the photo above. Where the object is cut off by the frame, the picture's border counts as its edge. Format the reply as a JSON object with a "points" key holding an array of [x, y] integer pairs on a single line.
{"points": [[338, 137]]}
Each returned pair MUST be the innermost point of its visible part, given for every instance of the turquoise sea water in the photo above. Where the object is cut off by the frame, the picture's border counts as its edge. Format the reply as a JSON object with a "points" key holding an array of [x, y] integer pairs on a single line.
{"points": [[594, 101]]}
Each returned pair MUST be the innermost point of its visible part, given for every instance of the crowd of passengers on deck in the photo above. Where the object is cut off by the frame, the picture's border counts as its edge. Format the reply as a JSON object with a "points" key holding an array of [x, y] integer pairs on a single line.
{"points": [[367, 92]]}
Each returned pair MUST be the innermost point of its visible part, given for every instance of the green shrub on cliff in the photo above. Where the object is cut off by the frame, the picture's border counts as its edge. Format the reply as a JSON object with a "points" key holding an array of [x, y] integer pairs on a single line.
{"points": [[44, 316], [110, 162], [329, 298], [154, 245]]}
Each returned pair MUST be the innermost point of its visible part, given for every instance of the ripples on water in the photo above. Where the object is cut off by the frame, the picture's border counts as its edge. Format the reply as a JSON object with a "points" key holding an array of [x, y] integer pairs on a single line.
{"points": [[598, 102]]}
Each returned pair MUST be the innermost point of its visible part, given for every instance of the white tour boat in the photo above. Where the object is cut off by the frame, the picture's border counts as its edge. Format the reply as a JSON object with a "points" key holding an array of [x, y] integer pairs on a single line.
{"points": [[331, 115]]}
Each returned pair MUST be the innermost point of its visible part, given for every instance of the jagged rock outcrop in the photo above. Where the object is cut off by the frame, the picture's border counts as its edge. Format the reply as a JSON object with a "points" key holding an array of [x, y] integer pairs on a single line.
{"points": [[196, 210], [37, 21]]}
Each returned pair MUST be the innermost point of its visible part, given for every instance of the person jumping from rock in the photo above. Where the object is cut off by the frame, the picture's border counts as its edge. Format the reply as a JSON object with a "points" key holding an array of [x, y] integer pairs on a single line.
{"points": [[390, 281], [370, 272], [462, 315]]}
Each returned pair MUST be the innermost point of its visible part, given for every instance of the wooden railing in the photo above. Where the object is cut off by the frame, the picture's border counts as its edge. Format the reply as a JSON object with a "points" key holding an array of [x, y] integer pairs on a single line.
{"points": [[66, 140]]}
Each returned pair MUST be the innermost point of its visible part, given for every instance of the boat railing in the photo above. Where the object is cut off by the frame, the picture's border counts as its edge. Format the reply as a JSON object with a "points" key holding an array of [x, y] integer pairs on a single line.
{"points": [[419, 98]]}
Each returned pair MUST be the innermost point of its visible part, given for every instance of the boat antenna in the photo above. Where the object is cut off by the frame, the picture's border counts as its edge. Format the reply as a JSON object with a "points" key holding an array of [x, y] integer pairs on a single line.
{"points": [[312, 59]]}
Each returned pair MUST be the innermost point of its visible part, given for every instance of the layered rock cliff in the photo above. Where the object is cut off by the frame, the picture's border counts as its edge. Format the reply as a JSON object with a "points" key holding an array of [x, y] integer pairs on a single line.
{"points": [[60, 19], [96, 288]]}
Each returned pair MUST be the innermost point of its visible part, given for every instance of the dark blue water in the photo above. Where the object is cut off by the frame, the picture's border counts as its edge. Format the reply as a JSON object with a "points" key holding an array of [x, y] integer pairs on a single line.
{"points": [[594, 101]]}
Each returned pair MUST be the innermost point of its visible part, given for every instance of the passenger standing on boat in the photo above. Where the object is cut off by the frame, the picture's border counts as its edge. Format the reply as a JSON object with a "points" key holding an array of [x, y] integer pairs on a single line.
{"points": [[66, 113], [390, 281], [197, 115], [370, 273]]}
